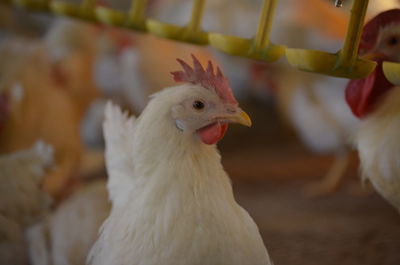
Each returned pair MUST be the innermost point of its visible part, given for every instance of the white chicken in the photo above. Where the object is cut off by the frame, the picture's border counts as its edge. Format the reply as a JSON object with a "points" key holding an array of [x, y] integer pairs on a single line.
{"points": [[71, 48], [172, 201], [313, 104], [376, 101], [117, 74], [323, 122], [22, 201], [67, 235]]}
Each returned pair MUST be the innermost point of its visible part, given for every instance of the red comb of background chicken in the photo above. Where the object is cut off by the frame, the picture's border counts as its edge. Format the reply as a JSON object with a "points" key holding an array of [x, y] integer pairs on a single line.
{"points": [[206, 78], [122, 38], [371, 30]]}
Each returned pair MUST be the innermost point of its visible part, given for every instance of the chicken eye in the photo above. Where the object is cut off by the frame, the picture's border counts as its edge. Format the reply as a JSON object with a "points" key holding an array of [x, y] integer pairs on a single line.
{"points": [[393, 41], [198, 105]]}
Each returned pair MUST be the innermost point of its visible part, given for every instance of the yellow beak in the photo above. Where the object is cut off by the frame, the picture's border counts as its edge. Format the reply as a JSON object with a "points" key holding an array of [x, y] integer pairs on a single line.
{"points": [[240, 117]]}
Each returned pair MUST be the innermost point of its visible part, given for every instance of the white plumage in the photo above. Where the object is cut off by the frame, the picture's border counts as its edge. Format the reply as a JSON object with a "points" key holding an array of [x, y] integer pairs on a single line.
{"points": [[67, 235], [378, 144], [21, 174], [376, 101], [323, 120], [22, 201], [172, 200]]}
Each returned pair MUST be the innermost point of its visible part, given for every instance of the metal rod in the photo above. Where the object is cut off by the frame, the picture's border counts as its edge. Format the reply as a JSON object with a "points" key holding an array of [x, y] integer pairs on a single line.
{"points": [[196, 16], [265, 24], [137, 12], [349, 52]]}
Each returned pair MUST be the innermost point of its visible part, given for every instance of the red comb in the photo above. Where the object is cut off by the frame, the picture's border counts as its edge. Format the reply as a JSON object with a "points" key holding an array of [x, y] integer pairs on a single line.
{"points": [[371, 29], [216, 82]]}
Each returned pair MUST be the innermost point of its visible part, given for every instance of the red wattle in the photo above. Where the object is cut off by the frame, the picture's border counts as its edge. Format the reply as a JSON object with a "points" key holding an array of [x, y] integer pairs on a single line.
{"points": [[363, 94], [211, 134]]}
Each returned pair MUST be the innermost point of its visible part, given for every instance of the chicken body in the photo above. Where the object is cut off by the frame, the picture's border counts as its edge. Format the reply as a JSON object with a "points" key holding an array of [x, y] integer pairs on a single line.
{"points": [[67, 235], [47, 101], [175, 210], [378, 144], [22, 201], [39, 109], [321, 117], [323, 122], [172, 201], [376, 102]]}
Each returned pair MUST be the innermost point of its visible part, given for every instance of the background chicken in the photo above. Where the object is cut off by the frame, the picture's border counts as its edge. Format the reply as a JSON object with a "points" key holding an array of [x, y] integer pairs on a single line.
{"points": [[40, 109], [376, 101], [186, 121], [22, 201], [68, 233], [311, 104], [72, 49], [47, 101]]}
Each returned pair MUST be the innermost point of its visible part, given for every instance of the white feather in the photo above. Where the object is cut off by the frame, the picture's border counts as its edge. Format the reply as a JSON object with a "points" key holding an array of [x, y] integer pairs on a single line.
{"points": [[378, 143], [66, 236], [119, 130], [22, 201], [326, 125], [21, 173]]}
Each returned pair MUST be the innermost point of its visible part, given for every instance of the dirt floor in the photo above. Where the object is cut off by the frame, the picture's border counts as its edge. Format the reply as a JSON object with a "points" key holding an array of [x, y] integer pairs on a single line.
{"points": [[271, 171], [338, 229]]}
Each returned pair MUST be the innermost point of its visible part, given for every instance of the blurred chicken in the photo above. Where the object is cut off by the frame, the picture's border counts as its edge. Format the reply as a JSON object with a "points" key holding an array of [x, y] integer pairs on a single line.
{"points": [[118, 75], [22, 201], [376, 101], [179, 210], [311, 104], [155, 70], [117, 69], [48, 100], [237, 17], [67, 235], [315, 107], [38, 109], [324, 124], [72, 48]]}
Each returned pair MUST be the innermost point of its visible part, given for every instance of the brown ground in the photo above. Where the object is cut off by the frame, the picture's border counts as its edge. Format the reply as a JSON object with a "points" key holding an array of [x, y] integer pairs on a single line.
{"points": [[270, 171]]}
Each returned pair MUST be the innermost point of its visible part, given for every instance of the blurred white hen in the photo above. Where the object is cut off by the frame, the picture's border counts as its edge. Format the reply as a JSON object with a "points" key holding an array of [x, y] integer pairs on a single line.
{"points": [[22, 201], [315, 103], [67, 235]]}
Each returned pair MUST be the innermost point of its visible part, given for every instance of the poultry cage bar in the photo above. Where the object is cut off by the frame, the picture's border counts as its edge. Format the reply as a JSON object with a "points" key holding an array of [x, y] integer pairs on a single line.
{"points": [[345, 63]]}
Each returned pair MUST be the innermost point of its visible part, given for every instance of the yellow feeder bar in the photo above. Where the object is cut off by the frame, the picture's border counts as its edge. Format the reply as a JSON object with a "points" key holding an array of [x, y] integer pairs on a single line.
{"points": [[42, 5], [392, 72], [345, 63], [136, 19], [83, 11], [191, 33], [259, 47]]}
